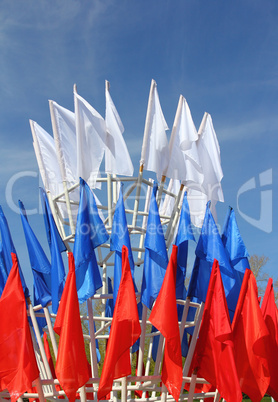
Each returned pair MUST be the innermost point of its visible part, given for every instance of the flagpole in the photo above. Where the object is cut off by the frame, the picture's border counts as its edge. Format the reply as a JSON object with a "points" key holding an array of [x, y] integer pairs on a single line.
{"points": [[93, 350], [193, 342], [192, 386], [142, 341], [39, 341], [51, 331], [160, 190], [61, 165], [174, 217]]}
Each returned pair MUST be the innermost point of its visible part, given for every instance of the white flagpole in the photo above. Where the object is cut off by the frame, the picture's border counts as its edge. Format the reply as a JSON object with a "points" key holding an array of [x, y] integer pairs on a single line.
{"points": [[193, 342]]}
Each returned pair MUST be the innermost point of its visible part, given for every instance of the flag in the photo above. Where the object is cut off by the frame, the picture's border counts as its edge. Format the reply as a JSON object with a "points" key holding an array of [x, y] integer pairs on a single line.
{"points": [[270, 315], [155, 148], [120, 238], [117, 159], [72, 365], [56, 234], [251, 339], [209, 247], [3, 271], [57, 265], [90, 233], [214, 353], [184, 163], [156, 257], [40, 265], [91, 139], [109, 305], [164, 317], [8, 248], [238, 254], [210, 189], [63, 123], [47, 159], [18, 367], [125, 330], [185, 233]]}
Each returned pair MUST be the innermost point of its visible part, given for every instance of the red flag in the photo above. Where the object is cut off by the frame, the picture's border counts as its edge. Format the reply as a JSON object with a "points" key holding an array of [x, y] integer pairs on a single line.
{"points": [[18, 367], [270, 314], [214, 354], [125, 330], [71, 365], [164, 317], [250, 341]]}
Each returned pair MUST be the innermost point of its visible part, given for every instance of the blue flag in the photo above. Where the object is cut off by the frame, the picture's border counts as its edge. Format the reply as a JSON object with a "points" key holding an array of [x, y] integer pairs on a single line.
{"points": [[209, 247], [156, 257], [40, 265], [57, 265], [90, 233], [8, 248], [238, 255], [120, 238], [185, 233], [58, 239], [3, 271], [109, 305]]}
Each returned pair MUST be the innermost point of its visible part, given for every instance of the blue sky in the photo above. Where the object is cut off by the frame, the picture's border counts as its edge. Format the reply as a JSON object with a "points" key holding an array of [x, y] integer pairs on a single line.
{"points": [[221, 55]]}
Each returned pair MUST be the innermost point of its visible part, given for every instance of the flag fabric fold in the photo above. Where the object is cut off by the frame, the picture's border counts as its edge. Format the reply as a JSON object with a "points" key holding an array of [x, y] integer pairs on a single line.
{"points": [[8, 248], [238, 254], [251, 339], [117, 158], [18, 366], [57, 265], [72, 365], [155, 148], [270, 315], [184, 163], [164, 317], [90, 233], [45, 151], [91, 140], [119, 238], [214, 353], [125, 330], [40, 265], [54, 232], [210, 247], [156, 257], [210, 189], [63, 123]]}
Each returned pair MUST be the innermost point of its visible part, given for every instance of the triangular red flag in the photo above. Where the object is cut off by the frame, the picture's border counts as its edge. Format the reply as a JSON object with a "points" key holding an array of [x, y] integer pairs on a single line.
{"points": [[270, 314], [214, 354], [250, 340], [125, 330], [164, 316], [72, 365], [18, 366]]}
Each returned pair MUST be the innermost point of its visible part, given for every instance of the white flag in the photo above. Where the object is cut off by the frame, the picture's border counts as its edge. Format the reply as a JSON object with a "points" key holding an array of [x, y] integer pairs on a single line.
{"points": [[210, 190], [63, 123], [184, 164], [47, 159], [117, 159], [155, 148], [91, 140], [209, 154]]}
